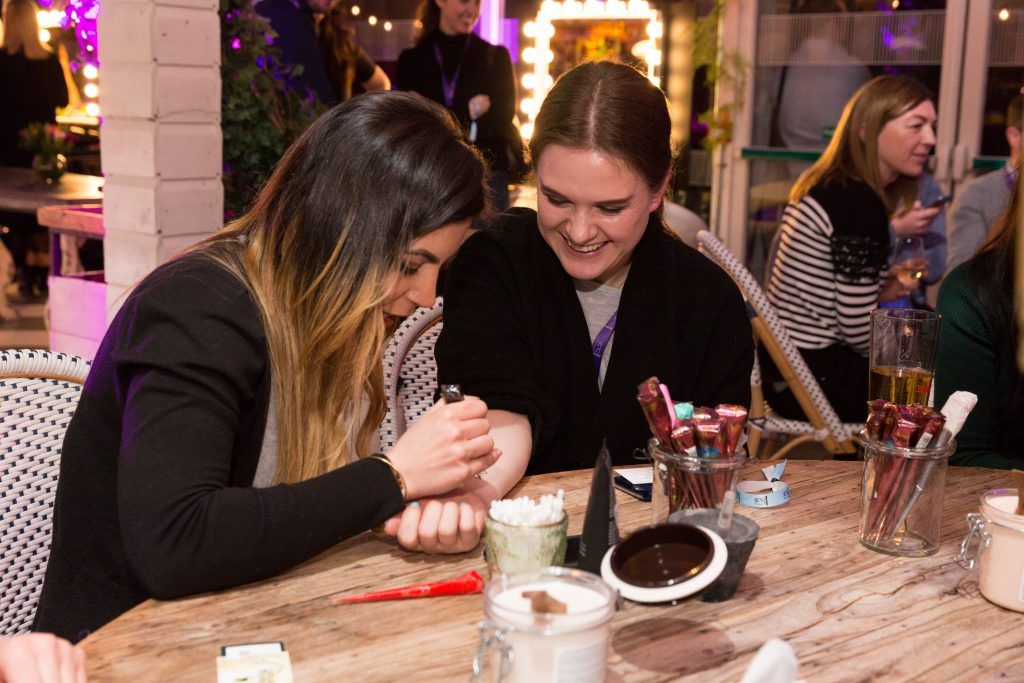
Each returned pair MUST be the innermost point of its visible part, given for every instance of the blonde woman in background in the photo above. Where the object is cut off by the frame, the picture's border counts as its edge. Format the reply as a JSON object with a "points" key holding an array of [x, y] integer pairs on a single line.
{"points": [[830, 269], [225, 432]]}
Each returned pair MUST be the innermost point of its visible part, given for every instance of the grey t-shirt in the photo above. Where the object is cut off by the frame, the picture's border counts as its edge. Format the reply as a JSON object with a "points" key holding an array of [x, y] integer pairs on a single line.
{"points": [[599, 303]]}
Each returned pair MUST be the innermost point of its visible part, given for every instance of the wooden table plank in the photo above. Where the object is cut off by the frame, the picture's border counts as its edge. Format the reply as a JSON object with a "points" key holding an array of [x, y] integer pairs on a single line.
{"points": [[22, 192], [851, 614]]}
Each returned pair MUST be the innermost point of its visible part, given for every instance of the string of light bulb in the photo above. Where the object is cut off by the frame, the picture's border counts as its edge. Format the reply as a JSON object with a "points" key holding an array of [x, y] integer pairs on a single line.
{"points": [[537, 82]]}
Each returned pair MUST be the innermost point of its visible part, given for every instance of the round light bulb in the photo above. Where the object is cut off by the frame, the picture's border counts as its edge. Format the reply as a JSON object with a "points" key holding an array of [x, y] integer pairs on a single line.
{"points": [[92, 109], [387, 25], [530, 29], [355, 10], [372, 20], [91, 90], [526, 130], [1004, 14], [530, 55], [44, 35], [90, 71]]}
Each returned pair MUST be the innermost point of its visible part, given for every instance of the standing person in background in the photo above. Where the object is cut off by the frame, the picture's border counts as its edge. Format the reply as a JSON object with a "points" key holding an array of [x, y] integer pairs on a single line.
{"points": [[831, 266], [454, 67], [819, 79], [31, 80], [980, 202], [978, 346], [32, 87], [346, 63], [295, 25]]}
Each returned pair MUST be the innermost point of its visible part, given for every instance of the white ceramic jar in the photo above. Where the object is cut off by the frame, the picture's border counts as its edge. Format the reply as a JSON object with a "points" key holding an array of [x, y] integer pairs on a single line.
{"points": [[527, 647], [1000, 550]]}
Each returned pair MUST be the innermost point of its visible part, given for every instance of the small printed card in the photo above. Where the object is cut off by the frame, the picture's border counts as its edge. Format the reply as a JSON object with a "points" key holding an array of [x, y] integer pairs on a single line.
{"points": [[254, 663], [636, 475]]}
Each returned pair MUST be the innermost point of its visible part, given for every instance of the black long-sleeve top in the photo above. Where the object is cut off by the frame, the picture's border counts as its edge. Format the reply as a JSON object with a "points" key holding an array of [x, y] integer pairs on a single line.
{"points": [[32, 90], [155, 496], [515, 335], [485, 70]]}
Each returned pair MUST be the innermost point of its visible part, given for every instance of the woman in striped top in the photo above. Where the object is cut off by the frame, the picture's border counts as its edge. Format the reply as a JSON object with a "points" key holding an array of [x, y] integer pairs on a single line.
{"points": [[829, 270]]}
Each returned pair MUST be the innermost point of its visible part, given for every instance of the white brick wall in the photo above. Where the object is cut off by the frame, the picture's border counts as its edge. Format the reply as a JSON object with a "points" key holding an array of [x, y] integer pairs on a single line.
{"points": [[160, 141]]}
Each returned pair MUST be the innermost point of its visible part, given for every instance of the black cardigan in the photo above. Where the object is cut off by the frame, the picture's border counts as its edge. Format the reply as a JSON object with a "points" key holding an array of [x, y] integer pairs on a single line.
{"points": [[514, 334], [155, 496], [486, 70]]}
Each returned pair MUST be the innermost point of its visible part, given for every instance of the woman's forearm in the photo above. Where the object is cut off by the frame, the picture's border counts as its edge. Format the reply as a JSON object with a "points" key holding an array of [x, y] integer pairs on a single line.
{"points": [[514, 438]]}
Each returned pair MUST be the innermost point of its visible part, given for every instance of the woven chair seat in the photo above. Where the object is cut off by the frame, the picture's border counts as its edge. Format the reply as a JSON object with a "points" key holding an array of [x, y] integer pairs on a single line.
{"points": [[410, 372], [759, 307], [39, 391]]}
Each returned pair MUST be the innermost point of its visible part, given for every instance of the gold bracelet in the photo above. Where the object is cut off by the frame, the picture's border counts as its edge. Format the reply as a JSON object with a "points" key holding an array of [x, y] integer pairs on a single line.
{"points": [[394, 470]]}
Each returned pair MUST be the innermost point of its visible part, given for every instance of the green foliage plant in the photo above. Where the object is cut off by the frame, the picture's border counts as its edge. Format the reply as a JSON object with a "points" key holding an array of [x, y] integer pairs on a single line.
{"points": [[723, 68], [260, 114]]}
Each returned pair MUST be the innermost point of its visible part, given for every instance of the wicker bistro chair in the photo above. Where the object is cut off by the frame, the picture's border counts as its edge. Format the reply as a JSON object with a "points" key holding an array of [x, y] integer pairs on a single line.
{"points": [[410, 372], [822, 423], [39, 391]]}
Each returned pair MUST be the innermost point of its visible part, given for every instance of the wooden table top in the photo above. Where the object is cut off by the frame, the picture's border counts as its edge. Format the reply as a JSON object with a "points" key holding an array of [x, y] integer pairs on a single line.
{"points": [[22, 192], [850, 613]]}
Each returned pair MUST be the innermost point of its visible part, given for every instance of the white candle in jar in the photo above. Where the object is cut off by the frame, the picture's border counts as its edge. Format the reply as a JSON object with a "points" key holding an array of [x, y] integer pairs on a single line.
{"points": [[560, 648], [1002, 564]]}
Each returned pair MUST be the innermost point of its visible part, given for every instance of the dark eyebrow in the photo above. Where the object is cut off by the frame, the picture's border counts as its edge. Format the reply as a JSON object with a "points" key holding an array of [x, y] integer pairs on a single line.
{"points": [[604, 202], [423, 253]]}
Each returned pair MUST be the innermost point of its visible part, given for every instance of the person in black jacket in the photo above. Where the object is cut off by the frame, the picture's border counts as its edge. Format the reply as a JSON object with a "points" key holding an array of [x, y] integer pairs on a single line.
{"points": [[454, 67], [556, 316], [225, 431]]}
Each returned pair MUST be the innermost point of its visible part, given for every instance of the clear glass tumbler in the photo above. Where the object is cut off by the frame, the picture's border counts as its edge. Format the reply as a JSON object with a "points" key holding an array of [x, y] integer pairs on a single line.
{"points": [[689, 481], [902, 358], [901, 505]]}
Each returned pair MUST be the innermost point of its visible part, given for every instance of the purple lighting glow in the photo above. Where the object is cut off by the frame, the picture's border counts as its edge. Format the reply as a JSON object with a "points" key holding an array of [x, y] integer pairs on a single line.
{"points": [[236, 44]]}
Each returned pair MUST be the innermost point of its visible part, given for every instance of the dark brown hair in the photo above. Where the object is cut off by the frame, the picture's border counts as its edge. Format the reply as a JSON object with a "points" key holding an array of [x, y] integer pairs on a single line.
{"points": [[318, 249], [613, 109], [428, 14], [338, 49], [993, 275]]}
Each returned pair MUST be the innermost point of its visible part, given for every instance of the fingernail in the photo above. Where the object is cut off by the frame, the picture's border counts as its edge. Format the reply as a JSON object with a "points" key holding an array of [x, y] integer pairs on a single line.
{"points": [[414, 504]]}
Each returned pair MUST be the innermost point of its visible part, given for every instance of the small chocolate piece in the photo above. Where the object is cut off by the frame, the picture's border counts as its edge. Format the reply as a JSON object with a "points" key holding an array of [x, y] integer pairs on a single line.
{"points": [[452, 393], [542, 603]]}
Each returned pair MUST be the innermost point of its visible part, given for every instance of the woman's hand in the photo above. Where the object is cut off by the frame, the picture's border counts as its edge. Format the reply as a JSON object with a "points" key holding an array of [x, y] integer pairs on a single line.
{"points": [[445, 524], [903, 279], [40, 658], [915, 221], [478, 106], [446, 446]]}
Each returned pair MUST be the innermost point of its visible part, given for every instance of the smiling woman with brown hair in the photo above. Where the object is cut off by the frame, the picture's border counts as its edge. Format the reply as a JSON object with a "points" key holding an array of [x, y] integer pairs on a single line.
{"points": [[556, 316], [225, 431]]}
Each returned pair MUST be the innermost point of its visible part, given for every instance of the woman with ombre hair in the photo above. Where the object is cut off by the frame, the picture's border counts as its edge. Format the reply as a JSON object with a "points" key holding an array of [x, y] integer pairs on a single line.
{"points": [[225, 431], [831, 265]]}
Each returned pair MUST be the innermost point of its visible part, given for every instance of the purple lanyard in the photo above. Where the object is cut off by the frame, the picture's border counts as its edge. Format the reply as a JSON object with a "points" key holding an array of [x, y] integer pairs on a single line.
{"points": [[601, 341], [1010, 174], [448, 85]]}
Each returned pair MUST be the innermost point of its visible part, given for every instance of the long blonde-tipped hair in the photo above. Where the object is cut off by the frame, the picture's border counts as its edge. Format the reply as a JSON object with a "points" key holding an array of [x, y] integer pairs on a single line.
{"points": [[853, 151], [318, 249], [21, 30]]}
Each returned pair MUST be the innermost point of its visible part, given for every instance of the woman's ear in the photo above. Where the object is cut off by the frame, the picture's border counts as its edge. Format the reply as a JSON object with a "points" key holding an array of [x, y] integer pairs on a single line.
{"points": [[659, 194]]}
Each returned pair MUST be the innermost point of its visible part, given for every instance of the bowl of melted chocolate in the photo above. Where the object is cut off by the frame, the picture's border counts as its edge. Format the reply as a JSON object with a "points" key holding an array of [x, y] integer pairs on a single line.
{"points": [[662, 555]]}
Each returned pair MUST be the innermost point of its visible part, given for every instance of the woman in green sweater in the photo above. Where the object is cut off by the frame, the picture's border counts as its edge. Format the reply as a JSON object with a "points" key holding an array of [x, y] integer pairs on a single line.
{"points": [[978, 348]]}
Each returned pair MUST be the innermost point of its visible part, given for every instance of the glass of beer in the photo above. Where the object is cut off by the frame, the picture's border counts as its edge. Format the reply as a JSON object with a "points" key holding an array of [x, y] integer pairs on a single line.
{"points": [[902, 360]]}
